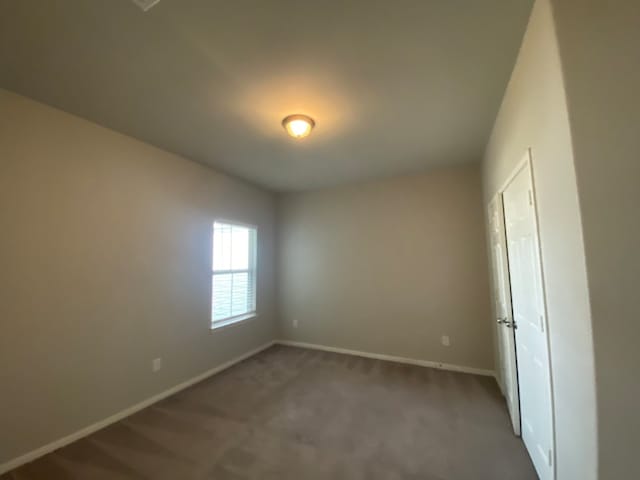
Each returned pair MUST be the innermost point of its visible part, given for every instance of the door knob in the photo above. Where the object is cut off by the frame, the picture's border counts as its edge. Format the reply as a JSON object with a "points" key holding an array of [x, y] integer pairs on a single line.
{"points": [[505, 321]]}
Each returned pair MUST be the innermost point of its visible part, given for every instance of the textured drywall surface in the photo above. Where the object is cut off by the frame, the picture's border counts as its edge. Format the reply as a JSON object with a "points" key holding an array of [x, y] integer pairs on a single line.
{"points": [[389, 267], [106, 262]]}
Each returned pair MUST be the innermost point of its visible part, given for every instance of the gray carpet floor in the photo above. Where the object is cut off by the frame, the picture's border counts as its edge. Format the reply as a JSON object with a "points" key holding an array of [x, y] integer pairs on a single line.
{"points": [[291, 413]]}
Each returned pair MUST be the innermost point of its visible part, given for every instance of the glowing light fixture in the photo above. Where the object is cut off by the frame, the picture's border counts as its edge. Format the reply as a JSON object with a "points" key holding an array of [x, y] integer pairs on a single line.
{"points": [[298, 126]]}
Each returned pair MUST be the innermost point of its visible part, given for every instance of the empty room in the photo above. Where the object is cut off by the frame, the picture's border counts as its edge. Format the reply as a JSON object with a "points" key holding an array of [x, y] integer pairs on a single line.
{"points": [[278, 239]]}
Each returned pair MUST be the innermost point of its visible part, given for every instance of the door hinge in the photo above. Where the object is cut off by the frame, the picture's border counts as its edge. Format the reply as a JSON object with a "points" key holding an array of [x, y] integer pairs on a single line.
{"points": [[551, 458], [530, 198]]}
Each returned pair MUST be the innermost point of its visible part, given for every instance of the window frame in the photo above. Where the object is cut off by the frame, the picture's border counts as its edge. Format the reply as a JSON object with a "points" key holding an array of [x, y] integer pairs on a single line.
{"points": [[252, 271]]}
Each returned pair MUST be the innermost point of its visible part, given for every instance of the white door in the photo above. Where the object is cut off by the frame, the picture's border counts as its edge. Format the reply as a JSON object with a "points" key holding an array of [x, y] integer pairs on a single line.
{"points": [[532, 346], [502, 308]]}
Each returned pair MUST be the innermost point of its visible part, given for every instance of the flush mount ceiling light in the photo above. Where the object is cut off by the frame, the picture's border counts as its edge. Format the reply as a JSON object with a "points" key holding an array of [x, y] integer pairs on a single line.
{"points": [[298, 126]]}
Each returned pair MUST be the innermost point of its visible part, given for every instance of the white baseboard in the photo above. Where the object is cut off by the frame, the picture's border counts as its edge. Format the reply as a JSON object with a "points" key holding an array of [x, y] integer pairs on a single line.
{"points": [[50, 447], [391, 358]]}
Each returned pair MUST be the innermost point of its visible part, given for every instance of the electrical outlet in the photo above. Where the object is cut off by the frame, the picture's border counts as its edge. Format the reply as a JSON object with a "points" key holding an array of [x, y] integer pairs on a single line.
{"points": [[156, 364], [445, 340], [295, 323]]}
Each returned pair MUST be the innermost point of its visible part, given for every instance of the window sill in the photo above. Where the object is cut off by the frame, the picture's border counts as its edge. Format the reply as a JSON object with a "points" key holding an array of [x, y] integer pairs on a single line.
{"points": [[233, 321]]}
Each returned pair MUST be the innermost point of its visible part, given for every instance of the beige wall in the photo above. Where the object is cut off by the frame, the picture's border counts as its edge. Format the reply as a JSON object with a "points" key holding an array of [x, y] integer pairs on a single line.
{"points": [[104, 265], [388, 267], [534, 114], [600, 51]]}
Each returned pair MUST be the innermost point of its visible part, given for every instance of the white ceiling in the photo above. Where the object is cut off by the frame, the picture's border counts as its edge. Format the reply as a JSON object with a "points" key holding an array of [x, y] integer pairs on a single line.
{"points": [[395, 86]]}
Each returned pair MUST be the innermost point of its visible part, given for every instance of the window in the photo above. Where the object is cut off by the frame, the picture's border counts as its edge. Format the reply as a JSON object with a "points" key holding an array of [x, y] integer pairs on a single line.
{"points": [[233, 273]]}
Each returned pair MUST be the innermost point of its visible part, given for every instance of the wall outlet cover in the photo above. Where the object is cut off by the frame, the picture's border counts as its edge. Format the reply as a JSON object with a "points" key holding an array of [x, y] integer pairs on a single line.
{"points": [[156, 364], [446, 341]]}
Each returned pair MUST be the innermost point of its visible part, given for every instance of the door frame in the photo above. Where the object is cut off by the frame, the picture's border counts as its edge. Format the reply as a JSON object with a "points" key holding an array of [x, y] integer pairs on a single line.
{"points": [[527, 162]]}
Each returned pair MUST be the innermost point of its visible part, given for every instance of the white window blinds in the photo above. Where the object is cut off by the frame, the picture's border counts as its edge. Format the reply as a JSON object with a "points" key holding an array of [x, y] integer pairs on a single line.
{"points": [[234, 271]]}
